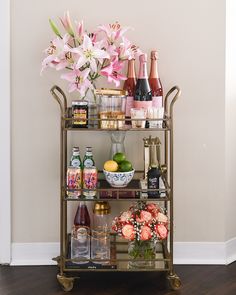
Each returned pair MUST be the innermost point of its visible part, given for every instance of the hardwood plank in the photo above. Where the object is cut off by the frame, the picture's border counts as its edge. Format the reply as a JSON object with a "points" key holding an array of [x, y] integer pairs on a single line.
{"points": [[196, 280]]}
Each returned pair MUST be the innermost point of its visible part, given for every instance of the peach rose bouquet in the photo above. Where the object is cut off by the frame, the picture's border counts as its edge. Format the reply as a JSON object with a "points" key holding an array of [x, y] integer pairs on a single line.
{"points": [[143, 225]]}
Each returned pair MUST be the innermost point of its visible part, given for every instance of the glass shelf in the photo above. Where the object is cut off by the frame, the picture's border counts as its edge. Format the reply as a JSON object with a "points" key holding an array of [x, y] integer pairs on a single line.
{"points": [[135, 190], [119, 260]]}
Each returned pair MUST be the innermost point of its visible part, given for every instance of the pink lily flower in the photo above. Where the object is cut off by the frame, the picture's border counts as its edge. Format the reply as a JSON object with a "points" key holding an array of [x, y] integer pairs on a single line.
{"points": [[78, 80], [89, 52], [112, 72], [66, 22], [113, 31], [58, 56], [127, 50]]}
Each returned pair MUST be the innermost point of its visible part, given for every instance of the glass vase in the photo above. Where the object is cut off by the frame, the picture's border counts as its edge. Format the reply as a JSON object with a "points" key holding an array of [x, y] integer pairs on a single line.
{"points": [[117, 142], [141, 254]]}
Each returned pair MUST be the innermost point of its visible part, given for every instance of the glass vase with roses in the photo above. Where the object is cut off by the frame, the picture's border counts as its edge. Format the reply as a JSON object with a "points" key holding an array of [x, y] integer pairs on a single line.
{"points": [[142, 225]]}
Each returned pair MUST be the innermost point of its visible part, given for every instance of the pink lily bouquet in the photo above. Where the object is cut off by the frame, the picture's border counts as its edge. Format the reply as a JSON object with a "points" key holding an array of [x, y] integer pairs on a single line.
{"points": [[84, 57]]}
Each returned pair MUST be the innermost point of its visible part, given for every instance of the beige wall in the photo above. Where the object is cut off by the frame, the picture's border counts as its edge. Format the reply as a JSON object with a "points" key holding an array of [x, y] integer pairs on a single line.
{"points": [[189, 36], [230, 110]]}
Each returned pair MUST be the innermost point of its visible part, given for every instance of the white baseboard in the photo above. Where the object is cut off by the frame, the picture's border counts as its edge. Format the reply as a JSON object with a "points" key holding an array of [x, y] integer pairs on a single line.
{"points": [[184, 253], [230, 251], [199, 253], [34, 253]]}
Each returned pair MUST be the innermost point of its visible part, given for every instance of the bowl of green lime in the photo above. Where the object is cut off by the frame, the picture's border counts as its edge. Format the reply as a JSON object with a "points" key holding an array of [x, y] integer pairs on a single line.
{"points": [[118, 171]]}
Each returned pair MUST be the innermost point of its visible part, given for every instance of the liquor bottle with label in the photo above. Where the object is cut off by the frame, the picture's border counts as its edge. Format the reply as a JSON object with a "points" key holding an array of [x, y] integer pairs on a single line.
{"points": [[154, 173], [155, 82], [75, 160], [129, 86], [143, 93], [80, 236], [88, 160]]}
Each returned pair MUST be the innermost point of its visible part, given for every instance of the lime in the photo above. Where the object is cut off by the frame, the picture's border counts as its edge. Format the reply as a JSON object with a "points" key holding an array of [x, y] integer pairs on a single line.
{"points": [[110, 166], [119, 157], [125, 166]]}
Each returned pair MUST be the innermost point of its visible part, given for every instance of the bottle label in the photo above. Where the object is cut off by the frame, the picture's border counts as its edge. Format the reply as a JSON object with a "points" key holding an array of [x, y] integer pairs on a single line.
{"points": [[82, 234], [153, 183], [81, 116], [157, 101], [88, 163], [142, 104], [129, 105], [75, 163]]}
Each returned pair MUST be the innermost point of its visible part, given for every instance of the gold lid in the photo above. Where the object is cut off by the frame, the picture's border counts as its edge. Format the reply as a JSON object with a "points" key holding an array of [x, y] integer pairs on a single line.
{"points": [[108, 91], [102, 208]]}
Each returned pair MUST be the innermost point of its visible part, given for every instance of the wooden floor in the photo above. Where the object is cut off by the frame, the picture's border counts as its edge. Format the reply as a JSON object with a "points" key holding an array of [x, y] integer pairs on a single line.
{"points": [[196, 280]]}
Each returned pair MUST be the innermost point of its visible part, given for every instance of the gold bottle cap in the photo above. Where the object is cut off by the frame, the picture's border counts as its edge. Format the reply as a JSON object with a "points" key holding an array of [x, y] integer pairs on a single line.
{"points": [[113, 92], [102, 208]]}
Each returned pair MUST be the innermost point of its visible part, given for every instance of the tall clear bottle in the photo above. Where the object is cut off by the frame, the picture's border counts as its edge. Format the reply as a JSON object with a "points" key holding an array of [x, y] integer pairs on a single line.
{"points": [[129, 86], [80, 237], [88, 160], [143, 93], [75, 160], [154, 173], [155, 82]]}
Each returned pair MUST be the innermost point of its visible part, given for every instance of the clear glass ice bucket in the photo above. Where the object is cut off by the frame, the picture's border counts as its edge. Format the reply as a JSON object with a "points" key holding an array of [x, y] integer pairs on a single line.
{"points": [[111, 104]]}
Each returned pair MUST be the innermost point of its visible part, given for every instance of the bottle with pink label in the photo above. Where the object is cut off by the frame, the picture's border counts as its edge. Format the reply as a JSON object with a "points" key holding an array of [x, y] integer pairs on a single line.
{"points": [[129, 86], [155, 82], [143, 93]]}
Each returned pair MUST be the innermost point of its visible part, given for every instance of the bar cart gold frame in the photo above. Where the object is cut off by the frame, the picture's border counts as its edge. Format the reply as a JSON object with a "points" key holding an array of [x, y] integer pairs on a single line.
{"points": [[67, 275]]}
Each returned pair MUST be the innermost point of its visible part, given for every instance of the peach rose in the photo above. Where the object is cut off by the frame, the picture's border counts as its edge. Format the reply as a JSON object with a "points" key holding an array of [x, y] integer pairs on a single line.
{"points": [[145, 216], [125, 216], [146, 233], [128, 232], [161, 231], [162, 217], [152, 207]]}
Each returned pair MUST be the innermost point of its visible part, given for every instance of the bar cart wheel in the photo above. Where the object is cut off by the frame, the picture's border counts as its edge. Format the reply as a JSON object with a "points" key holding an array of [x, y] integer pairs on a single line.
{"points": [[66, 283], [174, 281]]}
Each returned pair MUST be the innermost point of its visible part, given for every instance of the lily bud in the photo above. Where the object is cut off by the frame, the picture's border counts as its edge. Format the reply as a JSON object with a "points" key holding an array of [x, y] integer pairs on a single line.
{"points": [[66, 22], [54, 28]]}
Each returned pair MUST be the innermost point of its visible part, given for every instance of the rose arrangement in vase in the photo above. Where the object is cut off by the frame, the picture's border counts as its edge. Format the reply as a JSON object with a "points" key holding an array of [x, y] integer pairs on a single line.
{"points": [[86, 56], [143, 225]]}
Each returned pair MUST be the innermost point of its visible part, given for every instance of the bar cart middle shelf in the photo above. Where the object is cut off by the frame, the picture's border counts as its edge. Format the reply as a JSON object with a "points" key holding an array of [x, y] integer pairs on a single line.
{"points": [[119, 260]]}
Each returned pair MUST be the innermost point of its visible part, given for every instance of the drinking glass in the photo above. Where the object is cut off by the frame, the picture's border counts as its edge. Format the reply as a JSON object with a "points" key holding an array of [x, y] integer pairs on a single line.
{"points": [[138, 114], [100, 246], [80, 244], [155, 113]]}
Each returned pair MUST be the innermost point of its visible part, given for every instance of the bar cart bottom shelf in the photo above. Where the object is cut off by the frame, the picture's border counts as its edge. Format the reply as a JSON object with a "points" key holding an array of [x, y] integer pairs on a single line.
{"points": [[119, 262]]}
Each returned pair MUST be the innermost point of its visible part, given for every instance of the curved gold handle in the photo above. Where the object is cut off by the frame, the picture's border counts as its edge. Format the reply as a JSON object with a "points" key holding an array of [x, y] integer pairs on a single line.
{"points": [[62, 104], [169, 106]]}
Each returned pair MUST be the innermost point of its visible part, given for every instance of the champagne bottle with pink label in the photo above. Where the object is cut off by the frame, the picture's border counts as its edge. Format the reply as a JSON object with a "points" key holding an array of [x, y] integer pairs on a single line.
{"points": [[155, 82], [143, 93], [129, 86]]}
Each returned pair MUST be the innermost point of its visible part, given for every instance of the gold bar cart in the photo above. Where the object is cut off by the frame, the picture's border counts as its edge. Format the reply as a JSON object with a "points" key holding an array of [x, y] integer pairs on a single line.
{"points": [[120, 261]]}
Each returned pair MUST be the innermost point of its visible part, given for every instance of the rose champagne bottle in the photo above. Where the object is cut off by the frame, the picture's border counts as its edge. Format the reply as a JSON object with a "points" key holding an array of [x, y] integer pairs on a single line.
{"points": [[155, 82], [143, 93], [129, 86], [80, 236], [82, 218]]}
